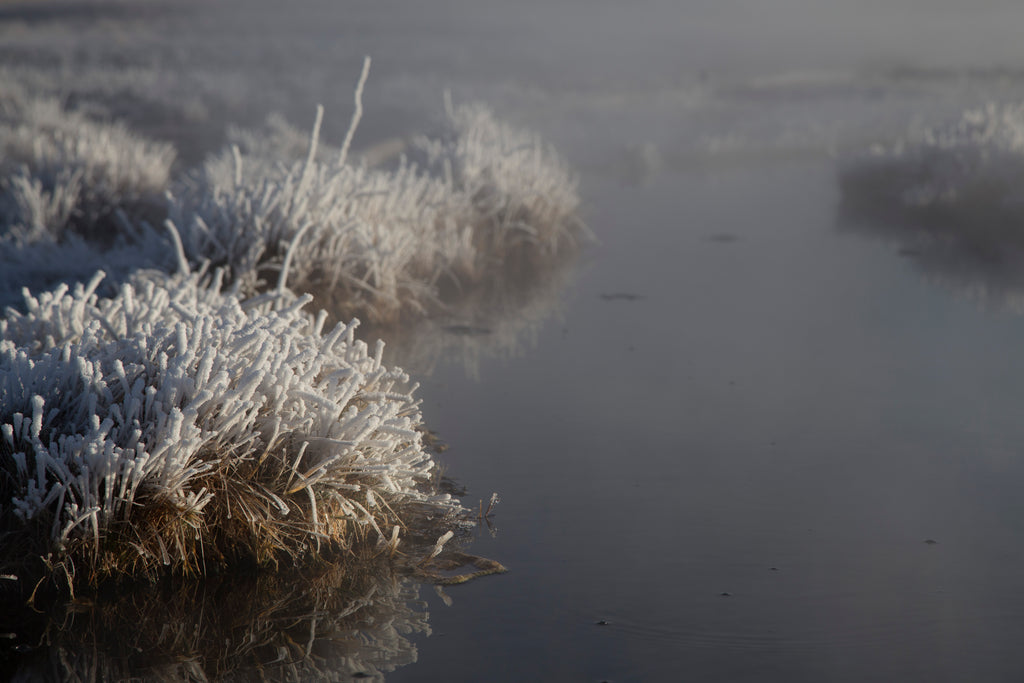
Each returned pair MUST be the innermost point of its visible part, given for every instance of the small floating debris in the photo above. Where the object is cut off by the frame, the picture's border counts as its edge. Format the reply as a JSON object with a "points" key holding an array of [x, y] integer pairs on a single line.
{"points": [[722, 238], [725, 594], [602, 622], [622, 296], [930, 541], [448, 569]]}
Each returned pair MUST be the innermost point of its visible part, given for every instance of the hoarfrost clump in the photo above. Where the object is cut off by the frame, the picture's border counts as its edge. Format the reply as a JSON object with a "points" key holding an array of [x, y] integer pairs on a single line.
{"points": [[962, 179], [520, 190], [61, 172], [169, 426], [370, 240], [74, 196], [163, 422], [379, 243], [951, 198]]}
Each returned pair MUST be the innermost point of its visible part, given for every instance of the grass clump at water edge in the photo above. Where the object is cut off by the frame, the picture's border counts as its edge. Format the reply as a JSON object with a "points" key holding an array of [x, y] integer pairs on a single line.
{"points": [[178, 424], [168, 428]]}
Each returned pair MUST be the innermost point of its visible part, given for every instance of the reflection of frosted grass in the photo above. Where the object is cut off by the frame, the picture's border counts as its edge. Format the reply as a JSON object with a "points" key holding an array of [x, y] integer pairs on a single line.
{"points": [[168, 426], [500, 317], [332, 625]]}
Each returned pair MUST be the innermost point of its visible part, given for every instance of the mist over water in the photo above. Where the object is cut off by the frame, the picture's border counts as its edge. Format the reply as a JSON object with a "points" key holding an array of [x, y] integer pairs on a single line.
{"points": [[750, 435]]}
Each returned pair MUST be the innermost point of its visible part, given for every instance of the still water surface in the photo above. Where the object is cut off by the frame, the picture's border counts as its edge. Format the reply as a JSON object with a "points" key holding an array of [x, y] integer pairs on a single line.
{"points": [[787, 418], [743, 440]]}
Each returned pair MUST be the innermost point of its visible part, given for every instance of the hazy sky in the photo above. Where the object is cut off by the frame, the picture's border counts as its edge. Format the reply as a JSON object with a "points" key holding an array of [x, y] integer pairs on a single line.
{"points": [[798, 33]]}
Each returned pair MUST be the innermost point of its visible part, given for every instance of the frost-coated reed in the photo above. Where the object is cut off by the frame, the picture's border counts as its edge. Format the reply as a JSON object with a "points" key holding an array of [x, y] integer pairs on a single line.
{"points": [[169, 426]]}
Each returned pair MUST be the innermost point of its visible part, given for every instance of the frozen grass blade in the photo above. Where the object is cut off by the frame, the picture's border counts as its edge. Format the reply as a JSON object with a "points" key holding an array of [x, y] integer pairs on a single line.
{"points": [[357, 114]]}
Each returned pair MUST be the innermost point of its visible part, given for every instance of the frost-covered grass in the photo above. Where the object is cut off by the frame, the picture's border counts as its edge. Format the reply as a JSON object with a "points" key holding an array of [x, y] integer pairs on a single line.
{"points": [[42, 265], [366, 241], [76, 195], [63, 173], [379, 243], [951, 198], [169, 426], [521, 192], [960, 182], [154, 422]]}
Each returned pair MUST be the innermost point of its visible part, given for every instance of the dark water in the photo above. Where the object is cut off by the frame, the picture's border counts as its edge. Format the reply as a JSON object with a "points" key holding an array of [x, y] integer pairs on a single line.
{"points": [[788, 418], [745, 440]]}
